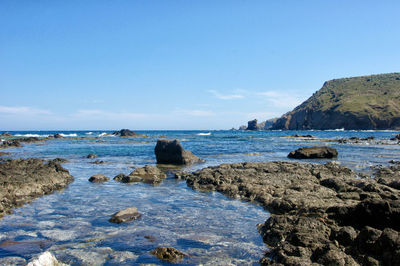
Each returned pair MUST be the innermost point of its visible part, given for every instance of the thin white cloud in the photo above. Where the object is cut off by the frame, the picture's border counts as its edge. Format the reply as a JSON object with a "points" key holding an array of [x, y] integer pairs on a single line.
{"points": [[22, 110], [198, 113], [101, 114], [226, 96], [281, 99]]}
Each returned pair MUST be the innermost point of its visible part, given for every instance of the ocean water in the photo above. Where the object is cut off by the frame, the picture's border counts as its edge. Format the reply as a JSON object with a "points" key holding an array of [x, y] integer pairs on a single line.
{"points": [[211, 228]]}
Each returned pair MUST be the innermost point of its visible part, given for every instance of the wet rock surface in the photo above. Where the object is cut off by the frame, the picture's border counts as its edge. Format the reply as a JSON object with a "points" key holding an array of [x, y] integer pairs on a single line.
{"points": [[313, 153], [22, 180], [91, 156], [172, 152], [321, 214], [127, 133], [169, 254], [147, 174], [99, 178], [126, 215]]}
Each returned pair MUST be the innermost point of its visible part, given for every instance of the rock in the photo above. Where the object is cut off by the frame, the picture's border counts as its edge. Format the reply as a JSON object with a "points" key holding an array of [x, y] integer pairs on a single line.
{"points": [[242, 127], [126, 215], [45, 259], [60, 160], [313, 153], [397, 137], [252, 125], [98, 162], [12, 143], [23, 180], [57, 136], [171, 152], [320, 214], [30, 139], [148, 174], [99, 178], [127, 133], [169, 254], [91, 156], [301, 136], [4, 153], [6, 134], [12, 261]]}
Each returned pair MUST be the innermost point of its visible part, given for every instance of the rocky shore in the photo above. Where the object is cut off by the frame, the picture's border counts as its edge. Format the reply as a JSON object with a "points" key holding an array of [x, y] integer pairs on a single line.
{"points": [[22, 180], [321, 214]]}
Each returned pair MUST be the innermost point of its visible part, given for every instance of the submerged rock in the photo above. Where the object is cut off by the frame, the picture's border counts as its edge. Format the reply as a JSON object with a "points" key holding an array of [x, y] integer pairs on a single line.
{"points": [[171, 152], [126, 215], [45, 259], [99, 178], [12, 143], [169, 254], [6, 134], [58, 136], [320, 214], [91, 156], [23, 180], [313, 153]]}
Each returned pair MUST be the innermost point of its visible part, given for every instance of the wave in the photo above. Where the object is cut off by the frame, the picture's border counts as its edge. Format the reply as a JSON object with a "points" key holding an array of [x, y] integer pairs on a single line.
{"points": [[31, 135], [89, 133], [69, 135], [204, 134], [105, 134]]}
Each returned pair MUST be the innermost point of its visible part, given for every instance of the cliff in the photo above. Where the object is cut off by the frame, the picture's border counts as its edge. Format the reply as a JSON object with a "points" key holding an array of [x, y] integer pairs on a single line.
{"points": [[357, 103]]}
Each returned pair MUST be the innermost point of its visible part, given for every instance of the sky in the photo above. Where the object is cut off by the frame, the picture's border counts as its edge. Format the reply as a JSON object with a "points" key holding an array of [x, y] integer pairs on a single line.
{"points": [[147, 65]]}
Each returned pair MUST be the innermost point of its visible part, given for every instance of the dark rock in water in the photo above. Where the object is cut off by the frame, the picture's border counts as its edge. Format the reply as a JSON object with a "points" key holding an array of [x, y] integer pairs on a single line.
{"points": [[397, 137], [171, 152], [301, 136], [91, 156], [169, 254], [30, 139], [126, 215], [98, 162], [320, 214], [4, 153], [12, 143], [60, 160], [242, 127], [148, 174], [313, 153], [127, 133], [252, 125], [99, 178], [23, 180], [57, 136], [6, 134]]}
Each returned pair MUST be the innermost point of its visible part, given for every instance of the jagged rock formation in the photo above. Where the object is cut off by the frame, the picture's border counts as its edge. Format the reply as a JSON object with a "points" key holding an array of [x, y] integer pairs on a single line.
{"points": [[171, 152], [320, 214], [23, 180], [366, 102]]}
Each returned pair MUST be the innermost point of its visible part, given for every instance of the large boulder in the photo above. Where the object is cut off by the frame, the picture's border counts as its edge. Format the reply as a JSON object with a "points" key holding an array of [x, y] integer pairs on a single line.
{"points": [[171, 152], [124, 133], [126, 215], [313, 153]]}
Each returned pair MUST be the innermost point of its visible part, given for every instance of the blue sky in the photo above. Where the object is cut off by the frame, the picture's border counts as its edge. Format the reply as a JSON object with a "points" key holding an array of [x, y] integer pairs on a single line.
{"points": [[181, 64]]}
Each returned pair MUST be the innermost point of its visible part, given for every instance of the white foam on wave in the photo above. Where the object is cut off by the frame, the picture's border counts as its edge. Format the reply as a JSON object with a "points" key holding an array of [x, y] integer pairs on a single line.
{"points": [[89, 133], [105, 134], [31, 135], [69, 135], [204, 134]]}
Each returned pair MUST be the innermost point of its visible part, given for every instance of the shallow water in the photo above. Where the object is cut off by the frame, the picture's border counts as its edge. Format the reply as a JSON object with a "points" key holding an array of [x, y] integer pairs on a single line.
{"points": [[73, 223]]}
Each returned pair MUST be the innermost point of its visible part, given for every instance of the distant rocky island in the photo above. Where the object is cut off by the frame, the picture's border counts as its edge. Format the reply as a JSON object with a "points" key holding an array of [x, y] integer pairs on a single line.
{"points": [[357, 103]]}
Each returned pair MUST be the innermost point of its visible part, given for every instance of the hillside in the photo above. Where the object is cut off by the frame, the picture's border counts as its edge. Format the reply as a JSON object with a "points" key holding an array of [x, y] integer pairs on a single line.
{"points": [[366, 102]]}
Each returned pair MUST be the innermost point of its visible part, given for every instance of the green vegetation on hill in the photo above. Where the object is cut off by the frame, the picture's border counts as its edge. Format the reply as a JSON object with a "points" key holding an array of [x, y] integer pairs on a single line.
{"points": [[366, 102]]}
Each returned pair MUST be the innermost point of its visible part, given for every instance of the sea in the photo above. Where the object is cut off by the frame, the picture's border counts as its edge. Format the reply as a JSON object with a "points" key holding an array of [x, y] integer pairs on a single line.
{"points": [[211, 228]]}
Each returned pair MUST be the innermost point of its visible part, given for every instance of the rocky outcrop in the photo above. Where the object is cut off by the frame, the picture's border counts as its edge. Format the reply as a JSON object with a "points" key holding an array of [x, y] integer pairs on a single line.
{"points": [[171, 152], [148, 174], [367, 102], [314, 153], [23, 180], [169, 254], [99, 178], [127, 133], [126, 215], [6, 134], [252, 125], [12, 143], [58, 136], [320, 214]]}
